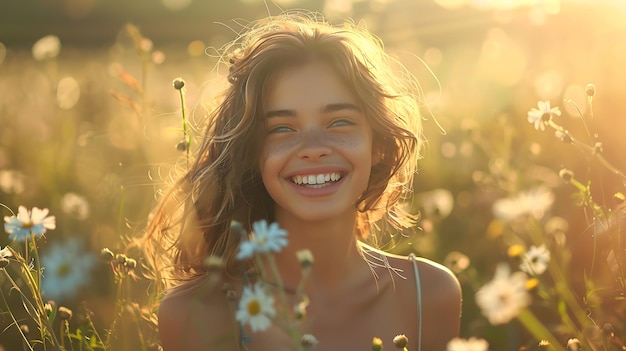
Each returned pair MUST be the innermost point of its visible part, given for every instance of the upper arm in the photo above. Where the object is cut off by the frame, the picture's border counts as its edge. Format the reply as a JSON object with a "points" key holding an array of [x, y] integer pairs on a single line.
{"points": [[189, 322]]}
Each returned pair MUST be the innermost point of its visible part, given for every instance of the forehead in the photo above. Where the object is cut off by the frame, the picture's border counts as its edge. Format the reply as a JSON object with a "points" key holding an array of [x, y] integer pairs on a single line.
{"points": [[307, 86]]}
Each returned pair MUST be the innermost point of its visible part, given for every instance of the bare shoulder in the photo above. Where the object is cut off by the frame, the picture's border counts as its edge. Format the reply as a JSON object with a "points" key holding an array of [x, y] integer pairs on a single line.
{"points": [[431, 274], [441, 297], [198, 318]]}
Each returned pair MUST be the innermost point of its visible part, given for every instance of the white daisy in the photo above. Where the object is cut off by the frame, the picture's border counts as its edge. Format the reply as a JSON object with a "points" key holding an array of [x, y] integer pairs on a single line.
{"points": [[264, 239], [75, 205], [539, 117], [535, 260], [535, 202], [256, 308], [471, 344], [26, 222], [501, 299]]}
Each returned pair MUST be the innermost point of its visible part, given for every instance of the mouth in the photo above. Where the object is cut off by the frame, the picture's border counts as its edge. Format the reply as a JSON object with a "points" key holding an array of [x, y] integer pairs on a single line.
{"points": [[316, 181]]}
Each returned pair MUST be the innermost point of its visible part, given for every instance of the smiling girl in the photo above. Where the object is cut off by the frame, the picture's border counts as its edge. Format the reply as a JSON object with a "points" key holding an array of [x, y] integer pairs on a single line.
{"points": [[317, 134]]}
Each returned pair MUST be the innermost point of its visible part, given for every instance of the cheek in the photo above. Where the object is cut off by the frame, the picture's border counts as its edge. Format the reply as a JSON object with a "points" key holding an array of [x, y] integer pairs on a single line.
{"points": [[279, 148], [274, 153], [354, 144]]}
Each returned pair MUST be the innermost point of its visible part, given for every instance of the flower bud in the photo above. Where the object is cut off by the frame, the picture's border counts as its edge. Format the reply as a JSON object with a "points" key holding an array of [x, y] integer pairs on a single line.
{"points": [[515, 251], [618, 197], [107, 255], [305, 257], [178, 83], [597, 148], [574, 345], [181, 146], [64, 313], [130, 263], [566, 174], [299, 311], [120, 259], [400, 341], [308, 341], [531, 284], [377, 344], [590, 90], [48, 308]]}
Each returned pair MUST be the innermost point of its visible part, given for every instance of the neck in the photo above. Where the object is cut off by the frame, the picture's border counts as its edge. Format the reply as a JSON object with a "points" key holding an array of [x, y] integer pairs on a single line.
{"points": [[333, 245]]}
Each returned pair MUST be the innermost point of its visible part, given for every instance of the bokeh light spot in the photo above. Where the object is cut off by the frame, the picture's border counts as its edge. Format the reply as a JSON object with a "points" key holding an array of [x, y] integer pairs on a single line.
{"points": [[433, 56], [549, 84], [448, 149], [196, 48], [502, 60], [47, 47], [68, 93]]}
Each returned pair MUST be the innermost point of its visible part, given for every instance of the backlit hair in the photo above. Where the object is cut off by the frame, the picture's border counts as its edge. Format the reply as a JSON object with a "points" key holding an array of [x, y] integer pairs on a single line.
{"points": [[223, 184]]}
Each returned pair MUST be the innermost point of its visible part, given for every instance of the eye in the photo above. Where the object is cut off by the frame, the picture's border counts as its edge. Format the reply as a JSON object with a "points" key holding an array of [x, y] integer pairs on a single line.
{"points": [[279, 129], [341, 122]]}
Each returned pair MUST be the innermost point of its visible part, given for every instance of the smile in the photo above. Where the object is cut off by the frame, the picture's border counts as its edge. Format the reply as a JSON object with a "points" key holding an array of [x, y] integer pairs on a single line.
{"points": [[316, 180]]}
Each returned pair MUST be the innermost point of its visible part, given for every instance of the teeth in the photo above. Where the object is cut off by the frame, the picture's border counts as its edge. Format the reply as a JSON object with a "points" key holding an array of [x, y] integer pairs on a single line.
{"points": [[316, 179]]}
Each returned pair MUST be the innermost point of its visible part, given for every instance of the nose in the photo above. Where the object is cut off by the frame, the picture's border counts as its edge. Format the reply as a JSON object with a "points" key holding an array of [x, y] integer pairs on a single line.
{"points": [[313, 145]]}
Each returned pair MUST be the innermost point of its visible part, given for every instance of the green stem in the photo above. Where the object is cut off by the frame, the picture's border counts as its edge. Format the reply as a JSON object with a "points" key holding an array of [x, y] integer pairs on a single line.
{"points": [[561, 284], [119, 308], [539, 331], [62, 327], [295, 337], [186, 137], [39, 310], [13, 317], [37, 288]]}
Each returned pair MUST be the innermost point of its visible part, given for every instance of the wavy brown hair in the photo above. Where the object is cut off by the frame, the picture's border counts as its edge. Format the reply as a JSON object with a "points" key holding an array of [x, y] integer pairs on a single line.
{"points": [[223, 184]]}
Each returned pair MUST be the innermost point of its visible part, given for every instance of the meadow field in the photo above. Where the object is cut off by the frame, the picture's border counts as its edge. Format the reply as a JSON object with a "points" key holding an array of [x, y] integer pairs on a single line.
{"points": [[520, 189]]}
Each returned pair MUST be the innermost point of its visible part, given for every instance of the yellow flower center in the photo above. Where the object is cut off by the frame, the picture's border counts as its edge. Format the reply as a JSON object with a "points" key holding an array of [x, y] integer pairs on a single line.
{"points": [[254, 307], [64, 270], [27, 225]]}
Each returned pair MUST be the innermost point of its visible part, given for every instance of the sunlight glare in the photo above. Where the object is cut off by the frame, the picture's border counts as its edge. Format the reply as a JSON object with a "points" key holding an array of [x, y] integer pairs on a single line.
{"points": [[501, 59], [451, 4], [549, 84], [176, 5]]}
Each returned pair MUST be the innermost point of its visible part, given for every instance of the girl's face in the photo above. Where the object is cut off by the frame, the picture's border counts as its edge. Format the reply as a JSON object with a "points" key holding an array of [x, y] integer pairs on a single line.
{"points": [[317, 153]]}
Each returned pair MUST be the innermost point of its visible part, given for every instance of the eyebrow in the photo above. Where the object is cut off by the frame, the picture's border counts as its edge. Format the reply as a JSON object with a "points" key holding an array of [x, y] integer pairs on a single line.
{"points": [[326, 109]]}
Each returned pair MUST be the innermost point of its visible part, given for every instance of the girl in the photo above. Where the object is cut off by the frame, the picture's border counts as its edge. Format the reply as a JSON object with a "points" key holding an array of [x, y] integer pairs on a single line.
{"points": [[316, 134]]}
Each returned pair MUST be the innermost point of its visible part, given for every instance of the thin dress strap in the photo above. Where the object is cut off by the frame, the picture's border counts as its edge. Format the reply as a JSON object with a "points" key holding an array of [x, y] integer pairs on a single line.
{"points": [[413, 259]]}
